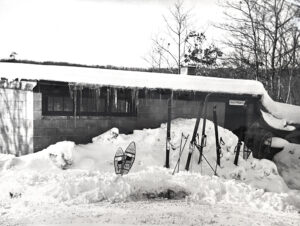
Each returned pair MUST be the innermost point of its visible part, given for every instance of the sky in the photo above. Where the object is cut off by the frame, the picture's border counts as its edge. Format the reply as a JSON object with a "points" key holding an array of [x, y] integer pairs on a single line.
{"points": [[103, 32]]}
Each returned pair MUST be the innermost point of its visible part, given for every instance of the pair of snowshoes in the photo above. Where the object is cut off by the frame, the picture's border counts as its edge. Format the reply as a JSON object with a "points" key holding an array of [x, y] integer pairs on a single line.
{"points": [[123, 161]]}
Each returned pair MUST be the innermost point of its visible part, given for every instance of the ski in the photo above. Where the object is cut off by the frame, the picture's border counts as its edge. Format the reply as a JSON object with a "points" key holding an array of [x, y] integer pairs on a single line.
{"points": [[203, 136], [218, 147], [193, 140], [168, 140], [201, 112]]}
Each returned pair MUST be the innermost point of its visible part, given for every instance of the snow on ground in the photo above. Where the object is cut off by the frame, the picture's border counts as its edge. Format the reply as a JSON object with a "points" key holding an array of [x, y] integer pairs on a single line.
{"points": [[150, 212], [65, 181]]}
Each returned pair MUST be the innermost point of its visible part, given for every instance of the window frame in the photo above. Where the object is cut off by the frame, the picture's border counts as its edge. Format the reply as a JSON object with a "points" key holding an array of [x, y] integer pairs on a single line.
{"points": [[52, 90], [47, 112]]}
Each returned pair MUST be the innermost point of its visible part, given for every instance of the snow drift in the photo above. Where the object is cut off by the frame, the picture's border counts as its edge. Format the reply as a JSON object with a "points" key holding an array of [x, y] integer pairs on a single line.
{"points": [[288, 162], [72, 174]]}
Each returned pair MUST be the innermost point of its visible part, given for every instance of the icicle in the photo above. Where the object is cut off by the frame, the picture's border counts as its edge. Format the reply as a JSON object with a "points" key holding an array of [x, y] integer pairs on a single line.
{"points": [[73, 95], [116, 98], [93, 98], [132, 99], [75, 104], [71, 90], [137, 98], [80, 94], [107, 98], [146, 95], [97, 98], [98, 91]]}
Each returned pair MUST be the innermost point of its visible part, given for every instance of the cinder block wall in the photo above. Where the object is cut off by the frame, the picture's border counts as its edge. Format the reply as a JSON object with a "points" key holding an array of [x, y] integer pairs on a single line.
{"points": [[190, 109], [16, 121], [150, 114]]}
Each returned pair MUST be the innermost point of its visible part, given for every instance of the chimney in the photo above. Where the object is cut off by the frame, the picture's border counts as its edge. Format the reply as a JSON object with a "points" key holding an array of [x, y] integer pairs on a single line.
{"points": [[188, 70]]}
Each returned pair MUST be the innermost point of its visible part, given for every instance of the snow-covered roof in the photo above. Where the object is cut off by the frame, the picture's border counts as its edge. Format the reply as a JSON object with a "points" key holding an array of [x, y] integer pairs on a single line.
{"points": [[119, 78], [134, 79]]}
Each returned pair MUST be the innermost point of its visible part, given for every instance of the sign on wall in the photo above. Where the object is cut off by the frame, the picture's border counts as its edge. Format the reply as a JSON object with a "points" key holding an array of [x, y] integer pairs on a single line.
{"points": [[237, 102]]}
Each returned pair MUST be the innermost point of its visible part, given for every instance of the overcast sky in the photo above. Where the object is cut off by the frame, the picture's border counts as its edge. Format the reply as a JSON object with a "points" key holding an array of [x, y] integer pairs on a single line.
{"points": [[115, 32]]}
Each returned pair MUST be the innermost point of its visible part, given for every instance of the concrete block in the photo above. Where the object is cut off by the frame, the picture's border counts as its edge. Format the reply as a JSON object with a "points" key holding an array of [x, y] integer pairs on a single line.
{"points": [[37, 115], [65, 131], [103, 123], [37, 105]]}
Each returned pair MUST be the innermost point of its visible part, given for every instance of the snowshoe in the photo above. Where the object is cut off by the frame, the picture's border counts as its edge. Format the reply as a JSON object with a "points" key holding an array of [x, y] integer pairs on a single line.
{"points": [[129, 157], [118, 161], [123, 161]]}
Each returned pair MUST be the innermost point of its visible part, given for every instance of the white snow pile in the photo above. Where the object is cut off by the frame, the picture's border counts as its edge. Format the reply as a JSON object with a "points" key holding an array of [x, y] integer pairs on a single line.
{"points": [[288, 162], [74, 174], [276, 123]]}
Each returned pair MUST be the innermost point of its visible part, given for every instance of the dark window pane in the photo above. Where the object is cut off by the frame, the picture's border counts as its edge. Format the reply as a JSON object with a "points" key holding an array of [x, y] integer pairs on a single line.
{"points": [[92, 105], [50, 103], [114, 107], [84, 103], [100, 105], [57, 103], [122, 106], [68, 104]]}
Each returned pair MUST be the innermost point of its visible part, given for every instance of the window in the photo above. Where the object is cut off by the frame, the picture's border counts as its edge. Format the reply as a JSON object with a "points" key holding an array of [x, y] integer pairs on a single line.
{"points": [[122, 101], [109, 101], [56, 100], [91, 102], [59, 104]]}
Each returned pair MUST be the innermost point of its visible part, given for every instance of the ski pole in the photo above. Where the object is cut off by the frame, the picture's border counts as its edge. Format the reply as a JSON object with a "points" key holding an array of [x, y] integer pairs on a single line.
{"points": [[180, 152], [238, 148], [218, 147], [215, 172]]}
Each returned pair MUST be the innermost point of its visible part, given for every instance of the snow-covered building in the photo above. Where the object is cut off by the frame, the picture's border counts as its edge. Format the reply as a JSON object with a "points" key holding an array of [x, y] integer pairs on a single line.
{"points": [[41, 105]]}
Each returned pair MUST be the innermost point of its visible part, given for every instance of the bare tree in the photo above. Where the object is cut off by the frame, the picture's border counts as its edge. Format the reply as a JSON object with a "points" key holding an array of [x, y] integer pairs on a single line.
{"points": [[169, 49], [157, 56], [263, 39]]}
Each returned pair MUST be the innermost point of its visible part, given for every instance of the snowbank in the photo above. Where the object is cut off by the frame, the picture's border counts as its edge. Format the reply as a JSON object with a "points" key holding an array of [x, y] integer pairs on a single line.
{"points": [[278, 142], [52, 158], [78, 187], [71, 173], [289, 113], [276, 123], [288, 163]]}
